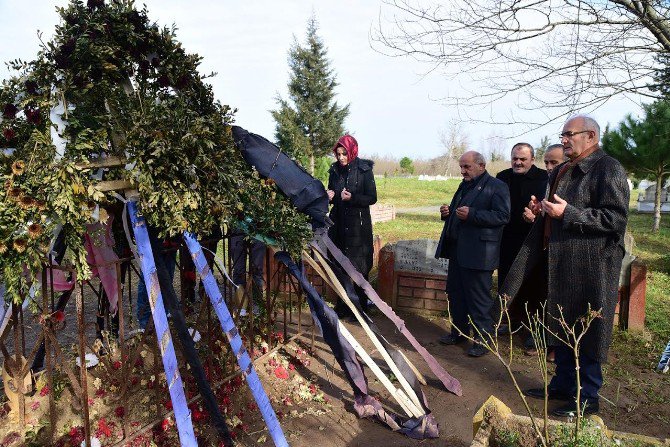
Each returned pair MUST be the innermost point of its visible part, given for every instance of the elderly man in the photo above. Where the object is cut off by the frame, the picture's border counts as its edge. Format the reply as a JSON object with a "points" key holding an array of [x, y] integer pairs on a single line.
{"points": [[471, 241], [579, 236]]}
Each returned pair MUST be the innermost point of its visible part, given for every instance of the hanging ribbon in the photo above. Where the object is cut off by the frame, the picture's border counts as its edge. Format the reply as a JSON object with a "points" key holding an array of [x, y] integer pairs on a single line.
{"points": [[449, 382], [228, 326], [175, 386]]}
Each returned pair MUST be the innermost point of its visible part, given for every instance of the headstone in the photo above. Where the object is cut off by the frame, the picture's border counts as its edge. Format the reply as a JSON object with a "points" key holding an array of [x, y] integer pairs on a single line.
{"points": [[419, 256]]}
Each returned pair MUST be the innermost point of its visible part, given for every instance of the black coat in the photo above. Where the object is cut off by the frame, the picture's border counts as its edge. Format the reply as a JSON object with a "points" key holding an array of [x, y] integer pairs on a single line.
{"points": [[532, 183], [585, 249], [352, 232], [478, 241]]}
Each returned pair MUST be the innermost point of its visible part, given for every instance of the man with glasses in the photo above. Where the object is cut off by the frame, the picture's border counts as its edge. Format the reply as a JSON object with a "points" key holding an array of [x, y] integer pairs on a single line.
{"points": [[579, 235]]}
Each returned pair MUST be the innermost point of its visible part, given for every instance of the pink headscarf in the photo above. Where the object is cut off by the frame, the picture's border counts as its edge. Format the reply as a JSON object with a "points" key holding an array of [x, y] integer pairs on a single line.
{"points": [[350, 144]]}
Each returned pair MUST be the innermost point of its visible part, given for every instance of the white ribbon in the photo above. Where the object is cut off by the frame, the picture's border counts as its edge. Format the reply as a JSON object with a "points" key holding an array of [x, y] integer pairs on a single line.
{"points": [[57, 124]]}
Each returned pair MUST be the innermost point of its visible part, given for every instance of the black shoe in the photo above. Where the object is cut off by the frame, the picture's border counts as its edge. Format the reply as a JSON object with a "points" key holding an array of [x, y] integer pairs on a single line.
{"points": [[450, 339], [568, 410], [553, 394], [477, 350]]}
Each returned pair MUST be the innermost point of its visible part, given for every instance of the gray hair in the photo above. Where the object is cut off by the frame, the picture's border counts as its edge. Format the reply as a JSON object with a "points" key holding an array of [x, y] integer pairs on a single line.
{"points": [[478, 158], [589, 123], [532, 151], [552, 147]]}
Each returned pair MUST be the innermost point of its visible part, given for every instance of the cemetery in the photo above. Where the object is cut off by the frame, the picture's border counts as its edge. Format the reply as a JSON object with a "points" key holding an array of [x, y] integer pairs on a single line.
{"points": [[169, 277]]}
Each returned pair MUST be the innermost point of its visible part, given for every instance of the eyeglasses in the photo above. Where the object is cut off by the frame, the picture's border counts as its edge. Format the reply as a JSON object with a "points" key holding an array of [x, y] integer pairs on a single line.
{"points": [[570, 134]]}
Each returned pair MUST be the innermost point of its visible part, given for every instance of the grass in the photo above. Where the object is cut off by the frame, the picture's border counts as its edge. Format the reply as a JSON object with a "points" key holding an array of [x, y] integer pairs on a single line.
{"points": [[411, 193]]}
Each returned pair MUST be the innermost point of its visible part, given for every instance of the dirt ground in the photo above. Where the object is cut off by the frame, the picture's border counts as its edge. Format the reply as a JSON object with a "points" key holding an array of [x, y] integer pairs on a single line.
{"points": [[641, 395], [635, 398]]}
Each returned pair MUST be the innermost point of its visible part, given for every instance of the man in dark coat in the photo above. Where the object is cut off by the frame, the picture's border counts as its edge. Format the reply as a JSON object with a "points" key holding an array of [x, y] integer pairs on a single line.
{"points": [[579, 235], [524, 181], [471, 241], [351, 190]]}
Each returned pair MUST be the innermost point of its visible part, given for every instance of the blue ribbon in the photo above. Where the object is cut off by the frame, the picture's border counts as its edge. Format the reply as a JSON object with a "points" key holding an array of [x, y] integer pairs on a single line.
{"points": [[228, 326], [175, 386]]}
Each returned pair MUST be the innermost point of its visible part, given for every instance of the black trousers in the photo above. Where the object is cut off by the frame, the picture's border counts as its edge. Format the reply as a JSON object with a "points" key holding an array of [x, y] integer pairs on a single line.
{"points": [[469, 294]]}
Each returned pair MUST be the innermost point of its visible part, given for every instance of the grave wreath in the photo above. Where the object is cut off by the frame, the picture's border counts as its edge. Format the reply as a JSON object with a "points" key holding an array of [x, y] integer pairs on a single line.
{"points": [[110, 83]]}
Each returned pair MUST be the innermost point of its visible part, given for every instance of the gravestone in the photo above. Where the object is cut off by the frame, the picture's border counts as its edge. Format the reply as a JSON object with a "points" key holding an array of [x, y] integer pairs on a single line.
{"points": [[411, 279], [419, 256]]}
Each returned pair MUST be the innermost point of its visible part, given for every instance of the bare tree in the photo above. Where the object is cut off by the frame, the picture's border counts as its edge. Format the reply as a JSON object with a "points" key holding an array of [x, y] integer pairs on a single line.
{"points": [[455, 142], [556, 56], [495, 147]]}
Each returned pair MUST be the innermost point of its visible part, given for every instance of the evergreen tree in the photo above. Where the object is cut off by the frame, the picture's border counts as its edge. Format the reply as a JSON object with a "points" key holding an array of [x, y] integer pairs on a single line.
{"points": [[406, 165], [310, 121], [643, 147], [542, 148]]}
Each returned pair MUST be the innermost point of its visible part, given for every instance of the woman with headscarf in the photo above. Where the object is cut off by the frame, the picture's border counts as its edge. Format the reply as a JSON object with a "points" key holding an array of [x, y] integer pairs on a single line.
{"points": [[351, 190]]}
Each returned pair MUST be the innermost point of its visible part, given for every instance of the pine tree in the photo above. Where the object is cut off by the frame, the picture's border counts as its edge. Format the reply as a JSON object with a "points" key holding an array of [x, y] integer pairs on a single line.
{"points": [[310, 121], [542, 148], [643, 147]]}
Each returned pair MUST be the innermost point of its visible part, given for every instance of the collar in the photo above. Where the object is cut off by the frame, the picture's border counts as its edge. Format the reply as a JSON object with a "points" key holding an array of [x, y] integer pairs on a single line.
{"points": [[585, 164]]}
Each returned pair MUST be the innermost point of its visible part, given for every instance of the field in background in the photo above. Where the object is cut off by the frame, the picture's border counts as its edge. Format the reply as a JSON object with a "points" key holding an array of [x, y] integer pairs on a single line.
{"points": [[418, 203]]}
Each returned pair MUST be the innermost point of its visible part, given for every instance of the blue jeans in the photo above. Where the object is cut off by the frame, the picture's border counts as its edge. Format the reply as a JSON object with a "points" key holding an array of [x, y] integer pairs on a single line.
{"points": [[143, 307]]}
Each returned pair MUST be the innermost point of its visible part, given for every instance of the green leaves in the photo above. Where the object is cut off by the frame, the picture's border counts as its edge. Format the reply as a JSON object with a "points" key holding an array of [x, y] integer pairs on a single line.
{"points": [[127, 88]]}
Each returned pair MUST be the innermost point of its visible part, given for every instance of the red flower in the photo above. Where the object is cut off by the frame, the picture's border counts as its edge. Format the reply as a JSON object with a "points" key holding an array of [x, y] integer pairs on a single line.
{"points": [[291, 366], [104, 428], [198, 415], [59, 316], [31, 86], [9, 111], [281, 372], [168, 405], [76, 435], [116, 364], [45, 390], [165, 425], [33, 115], [120, 412], [9, 134]]}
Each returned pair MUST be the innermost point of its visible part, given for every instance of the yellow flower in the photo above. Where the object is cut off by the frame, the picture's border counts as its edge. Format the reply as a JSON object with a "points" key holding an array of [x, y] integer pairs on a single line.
{"points": [[20, 245], [35, 230], [14, 192], [18, 167], [3, 248], [26, 202]]}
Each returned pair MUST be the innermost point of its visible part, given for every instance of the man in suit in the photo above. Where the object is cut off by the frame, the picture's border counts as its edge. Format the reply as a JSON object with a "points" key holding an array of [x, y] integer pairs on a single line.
{"points": [[579, 238], [524, 180], [470, 239]]}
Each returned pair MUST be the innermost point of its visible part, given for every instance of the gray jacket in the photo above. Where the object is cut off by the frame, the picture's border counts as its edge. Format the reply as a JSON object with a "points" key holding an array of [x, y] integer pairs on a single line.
{"points": [[585, 249]]}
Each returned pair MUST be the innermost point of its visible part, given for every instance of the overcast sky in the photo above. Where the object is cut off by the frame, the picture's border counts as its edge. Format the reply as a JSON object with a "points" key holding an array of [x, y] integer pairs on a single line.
{"points": [[395, 107]]}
